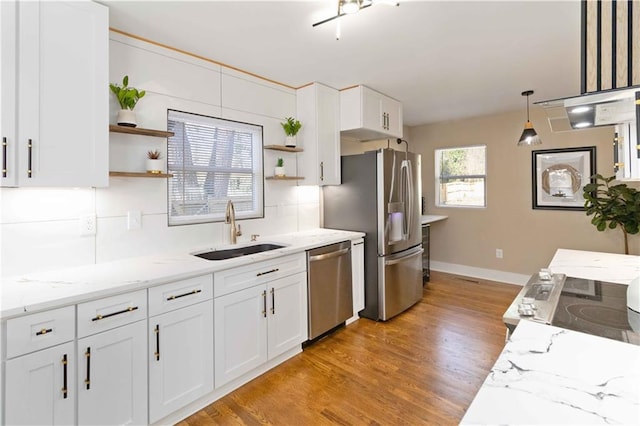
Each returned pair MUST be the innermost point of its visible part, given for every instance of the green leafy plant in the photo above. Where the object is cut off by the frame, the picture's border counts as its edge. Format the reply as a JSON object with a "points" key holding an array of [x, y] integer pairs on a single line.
{"points": [[291, 126], [280, 162], [613, 206], [127, 96], [154, 155]]}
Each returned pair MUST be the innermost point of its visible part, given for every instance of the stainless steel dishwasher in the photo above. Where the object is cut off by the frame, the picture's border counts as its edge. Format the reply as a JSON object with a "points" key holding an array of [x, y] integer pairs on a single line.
{"points": [[330, 296]]}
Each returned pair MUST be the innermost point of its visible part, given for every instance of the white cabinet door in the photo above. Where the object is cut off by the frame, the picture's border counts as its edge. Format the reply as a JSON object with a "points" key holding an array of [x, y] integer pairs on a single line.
{"points": [[240, 333], [8, 118], [180, 358], [37, 383], [287, 325], [62, 98], [357, 271], [391, 116], [112, 376], [318, 109]]}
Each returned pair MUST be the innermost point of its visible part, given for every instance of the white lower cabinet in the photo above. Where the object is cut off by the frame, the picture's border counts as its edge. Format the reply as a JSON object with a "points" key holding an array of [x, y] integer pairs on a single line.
{"points": [[112, 376], [40, 387], [180, 358], [357, 271], [257, 324]]}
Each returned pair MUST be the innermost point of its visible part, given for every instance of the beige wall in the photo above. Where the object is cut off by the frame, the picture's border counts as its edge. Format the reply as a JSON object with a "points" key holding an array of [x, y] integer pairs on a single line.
{"points": [[529, 238]]}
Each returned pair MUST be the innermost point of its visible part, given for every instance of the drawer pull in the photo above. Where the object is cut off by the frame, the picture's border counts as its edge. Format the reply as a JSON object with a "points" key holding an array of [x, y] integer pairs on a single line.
{"points": [[124, 311], [44, 331], [87, 380], [183, 295], [157, 331], [358, 244], [268, 272], [65, 391]]}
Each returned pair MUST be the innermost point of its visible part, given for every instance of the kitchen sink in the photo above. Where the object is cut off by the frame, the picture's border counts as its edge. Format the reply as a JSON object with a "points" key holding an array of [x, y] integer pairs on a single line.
{"points": [[237, 251]]}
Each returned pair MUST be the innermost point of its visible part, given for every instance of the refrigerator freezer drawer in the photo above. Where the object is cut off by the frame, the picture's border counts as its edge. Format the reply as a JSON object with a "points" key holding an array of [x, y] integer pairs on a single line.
{"points": [[400, 282]]}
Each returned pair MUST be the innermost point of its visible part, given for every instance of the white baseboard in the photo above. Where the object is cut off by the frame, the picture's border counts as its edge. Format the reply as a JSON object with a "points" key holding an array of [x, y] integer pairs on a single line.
{"points": [[481, 273]]}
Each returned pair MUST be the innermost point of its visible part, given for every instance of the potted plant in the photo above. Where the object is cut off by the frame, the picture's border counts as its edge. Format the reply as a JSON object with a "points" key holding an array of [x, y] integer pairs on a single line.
{"points": [[127, 97], [613, 205], [279, 169], [154, 162], [291, 128]]}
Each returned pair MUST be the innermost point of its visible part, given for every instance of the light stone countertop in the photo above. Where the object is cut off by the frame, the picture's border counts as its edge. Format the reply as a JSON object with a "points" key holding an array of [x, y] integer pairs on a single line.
{"points": [[431, 218], [46, 290], [591, 265], [549, 375]]}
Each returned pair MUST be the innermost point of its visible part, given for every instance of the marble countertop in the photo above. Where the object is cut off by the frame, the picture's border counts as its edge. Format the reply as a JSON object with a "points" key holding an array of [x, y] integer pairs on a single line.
{"points": [[431, 218], [549, 375], [35, 292], [609, 267]]}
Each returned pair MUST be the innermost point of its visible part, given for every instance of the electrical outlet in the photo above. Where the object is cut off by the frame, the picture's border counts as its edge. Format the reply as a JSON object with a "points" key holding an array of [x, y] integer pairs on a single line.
{"points": [[499, 253], [134, 220], [87, 225]]}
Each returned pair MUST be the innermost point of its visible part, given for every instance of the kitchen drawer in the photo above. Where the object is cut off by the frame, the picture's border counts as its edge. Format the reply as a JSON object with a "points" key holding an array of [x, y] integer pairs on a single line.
{"points": [[257, 273], [179, 294], [110, 312], [38, 331]]}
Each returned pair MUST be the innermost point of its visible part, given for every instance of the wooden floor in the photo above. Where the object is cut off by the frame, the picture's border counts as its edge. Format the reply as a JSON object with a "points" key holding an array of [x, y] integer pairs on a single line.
{"points": [[421, 367]]}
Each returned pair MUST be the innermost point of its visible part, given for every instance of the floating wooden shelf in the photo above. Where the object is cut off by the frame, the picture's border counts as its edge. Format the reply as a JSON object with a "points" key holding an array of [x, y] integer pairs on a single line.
{"points": [[140, 174], [139, 131], [284, 178], [283, 148]]}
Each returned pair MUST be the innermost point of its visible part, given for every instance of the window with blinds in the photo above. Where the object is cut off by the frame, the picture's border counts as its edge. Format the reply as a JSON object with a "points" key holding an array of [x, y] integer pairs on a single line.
{"points": [[212, 161]]}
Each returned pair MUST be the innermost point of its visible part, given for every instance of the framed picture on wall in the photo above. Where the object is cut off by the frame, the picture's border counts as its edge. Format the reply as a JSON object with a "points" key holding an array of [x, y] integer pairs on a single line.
{"points": [[558, 176]]}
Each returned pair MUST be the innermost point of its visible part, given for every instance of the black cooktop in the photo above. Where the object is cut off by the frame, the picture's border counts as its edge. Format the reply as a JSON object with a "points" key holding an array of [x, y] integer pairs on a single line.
{"points": [[595, 307]]}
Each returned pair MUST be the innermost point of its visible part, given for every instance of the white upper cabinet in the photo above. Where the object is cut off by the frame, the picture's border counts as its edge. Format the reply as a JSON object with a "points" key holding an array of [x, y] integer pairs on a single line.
{"points": [[318, 109], [59, 136], [366, 114]]}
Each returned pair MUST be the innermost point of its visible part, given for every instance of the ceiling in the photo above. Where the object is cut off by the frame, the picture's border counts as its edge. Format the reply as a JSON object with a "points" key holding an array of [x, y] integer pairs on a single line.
{"points": [[443, 60]]}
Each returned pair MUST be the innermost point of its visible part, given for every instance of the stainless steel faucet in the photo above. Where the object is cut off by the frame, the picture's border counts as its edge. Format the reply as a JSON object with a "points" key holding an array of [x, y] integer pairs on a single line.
{"points": [[230, 218]]}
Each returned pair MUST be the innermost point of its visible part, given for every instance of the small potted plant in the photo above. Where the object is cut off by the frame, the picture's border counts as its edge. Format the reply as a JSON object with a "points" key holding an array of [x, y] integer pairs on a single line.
{"points": [[291, 128], [127, 97], [279, 169], [154, 162]]}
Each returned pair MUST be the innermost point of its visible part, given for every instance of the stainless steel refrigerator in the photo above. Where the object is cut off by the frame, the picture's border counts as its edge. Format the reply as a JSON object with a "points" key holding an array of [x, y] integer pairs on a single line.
{"points": [[380, 196]]}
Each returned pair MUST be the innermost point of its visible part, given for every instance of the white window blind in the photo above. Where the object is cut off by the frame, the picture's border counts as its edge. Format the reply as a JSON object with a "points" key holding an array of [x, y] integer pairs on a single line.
{"points": [[212, 161]]}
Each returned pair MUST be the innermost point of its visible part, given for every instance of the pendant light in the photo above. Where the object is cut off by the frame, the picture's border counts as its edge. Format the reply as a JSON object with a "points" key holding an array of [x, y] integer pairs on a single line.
{"points": [[529, 135]]}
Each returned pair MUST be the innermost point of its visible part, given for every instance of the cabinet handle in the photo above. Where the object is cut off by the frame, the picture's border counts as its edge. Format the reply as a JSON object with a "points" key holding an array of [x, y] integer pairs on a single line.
{"points": [[183, 295], [87, 380], [65, 391], [615, 153], [322, 170], [124, 311], [384, 120], [268, 272], [157, 331], [359, 244], [273, 301], [30, 150], [4, 156], [44, 331], [264, 303]]}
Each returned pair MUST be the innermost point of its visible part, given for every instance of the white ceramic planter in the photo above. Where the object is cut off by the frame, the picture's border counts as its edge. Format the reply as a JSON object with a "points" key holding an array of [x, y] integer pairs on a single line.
{"points": [[126, 117], [290, 141], [155, 166], [279, 171]]}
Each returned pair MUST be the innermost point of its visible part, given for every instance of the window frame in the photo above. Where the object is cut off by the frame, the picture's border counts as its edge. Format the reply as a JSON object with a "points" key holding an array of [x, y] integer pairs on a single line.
{"points": [[437, 178], [257, 173]]}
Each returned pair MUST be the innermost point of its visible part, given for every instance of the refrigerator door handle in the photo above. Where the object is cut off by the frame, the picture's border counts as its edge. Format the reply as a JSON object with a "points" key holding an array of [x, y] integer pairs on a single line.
{"points": [[406, 192], [403, 258]]}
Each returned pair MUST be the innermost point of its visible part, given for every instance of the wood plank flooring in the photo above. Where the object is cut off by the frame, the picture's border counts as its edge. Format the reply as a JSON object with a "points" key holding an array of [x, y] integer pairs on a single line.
{"points": [[421, 367]]}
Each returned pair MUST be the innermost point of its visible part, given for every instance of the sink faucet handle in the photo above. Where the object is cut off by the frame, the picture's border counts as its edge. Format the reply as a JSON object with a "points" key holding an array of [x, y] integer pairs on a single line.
{"points": [[254, 237], [239, 231]]}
